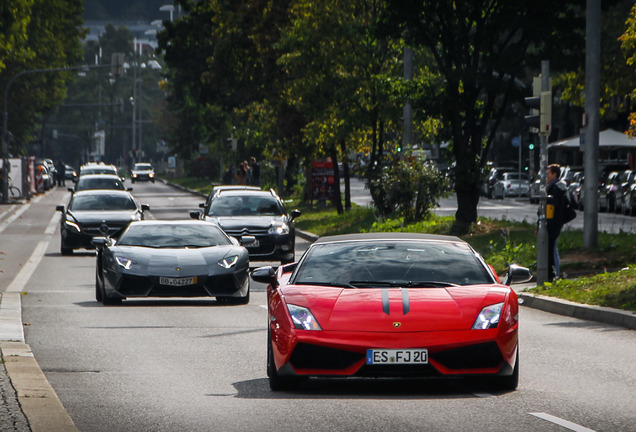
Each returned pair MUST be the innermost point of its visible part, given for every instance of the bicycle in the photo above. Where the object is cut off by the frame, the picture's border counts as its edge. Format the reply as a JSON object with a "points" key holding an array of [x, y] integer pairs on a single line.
{"points": [[14, 191]]}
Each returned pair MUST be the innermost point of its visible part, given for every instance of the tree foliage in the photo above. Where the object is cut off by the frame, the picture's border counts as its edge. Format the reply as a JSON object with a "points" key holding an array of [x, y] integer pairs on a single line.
{"points": [[37, 34], [480, 49], [628, 45]]}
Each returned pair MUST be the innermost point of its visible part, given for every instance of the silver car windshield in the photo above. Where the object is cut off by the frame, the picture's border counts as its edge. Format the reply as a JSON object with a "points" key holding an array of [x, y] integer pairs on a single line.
{"points": [[100, 183], [392, 263], [173, 236]]}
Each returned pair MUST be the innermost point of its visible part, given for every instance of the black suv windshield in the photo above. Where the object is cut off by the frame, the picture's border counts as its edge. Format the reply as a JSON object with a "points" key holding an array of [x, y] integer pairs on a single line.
{"points": [[245, 206]]}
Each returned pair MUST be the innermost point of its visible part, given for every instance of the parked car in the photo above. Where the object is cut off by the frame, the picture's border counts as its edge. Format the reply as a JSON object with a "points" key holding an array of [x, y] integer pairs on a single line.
{"points": [[608, 192], [574, 189], [142, 172], [257, 213], [625, 179], [391, 305], [48, 181], [93, 213], [99, 181], [171, 258], [511, 184], [496, 174]]}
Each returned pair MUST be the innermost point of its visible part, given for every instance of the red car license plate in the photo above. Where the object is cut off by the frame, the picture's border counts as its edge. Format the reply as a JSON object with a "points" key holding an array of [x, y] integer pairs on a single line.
{"points": [[397, 356]]}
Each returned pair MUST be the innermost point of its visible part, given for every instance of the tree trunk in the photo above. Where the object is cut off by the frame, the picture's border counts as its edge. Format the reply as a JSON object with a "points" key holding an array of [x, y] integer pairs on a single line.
{"points": [[336, 180], [467, 200], [347, 181]]}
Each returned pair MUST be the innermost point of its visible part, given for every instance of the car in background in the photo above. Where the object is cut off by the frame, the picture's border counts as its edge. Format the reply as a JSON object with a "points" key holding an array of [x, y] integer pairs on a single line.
{"points": [[574, 188], [93, 213], [625, 180], [495, 174], [70, 173], [48, 181], [258, 213], [171, 258], [511, 184], [608, 191], [98, 168], [391, 305], [99, 181], [142, 171]]}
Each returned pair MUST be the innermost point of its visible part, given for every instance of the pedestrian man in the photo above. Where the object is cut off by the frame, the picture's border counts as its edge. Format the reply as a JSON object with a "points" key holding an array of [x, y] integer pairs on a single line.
{"points": [[555, 211], [256, 172], [60, 172]]}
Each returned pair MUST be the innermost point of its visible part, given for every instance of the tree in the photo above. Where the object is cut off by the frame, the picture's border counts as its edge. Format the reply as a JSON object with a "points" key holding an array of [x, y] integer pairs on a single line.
{"points": [[337, 72], [479, 49], [38, 34], [628, 45]]}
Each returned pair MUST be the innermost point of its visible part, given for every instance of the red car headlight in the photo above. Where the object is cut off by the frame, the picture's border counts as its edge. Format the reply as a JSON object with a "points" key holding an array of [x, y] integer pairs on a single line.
{"points": [[302, 318], [488, 317]]}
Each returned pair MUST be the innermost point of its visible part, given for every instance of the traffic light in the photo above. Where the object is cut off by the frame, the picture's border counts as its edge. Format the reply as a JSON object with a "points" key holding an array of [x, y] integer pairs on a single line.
{"points": [[530, 146], [540, 118]]}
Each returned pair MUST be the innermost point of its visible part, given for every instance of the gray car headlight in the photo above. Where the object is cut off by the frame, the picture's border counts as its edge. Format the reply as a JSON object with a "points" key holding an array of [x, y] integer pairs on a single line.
{"points": [[279, 229], [302, 318], [488, 317], [228, 262], [124, 262]]}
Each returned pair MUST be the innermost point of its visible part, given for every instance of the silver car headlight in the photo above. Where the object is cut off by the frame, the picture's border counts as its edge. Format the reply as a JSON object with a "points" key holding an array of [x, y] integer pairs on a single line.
{"points": [[279, 229], [228, 262], [488, 317], [302, 318], [73, 225], [125, 262]]}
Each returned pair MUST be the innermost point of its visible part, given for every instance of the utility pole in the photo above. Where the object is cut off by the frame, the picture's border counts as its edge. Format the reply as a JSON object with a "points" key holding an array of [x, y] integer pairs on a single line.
{"points": [[542, 232], [540, 121], [591, 120]]}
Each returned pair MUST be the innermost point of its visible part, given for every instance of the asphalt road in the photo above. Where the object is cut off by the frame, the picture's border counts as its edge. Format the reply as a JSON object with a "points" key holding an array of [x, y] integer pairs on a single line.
{"points": [[172, 365]]}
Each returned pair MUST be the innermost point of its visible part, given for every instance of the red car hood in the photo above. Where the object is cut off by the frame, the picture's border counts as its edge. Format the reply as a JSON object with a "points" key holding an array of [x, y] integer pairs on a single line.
{"points": [[416, 309]]}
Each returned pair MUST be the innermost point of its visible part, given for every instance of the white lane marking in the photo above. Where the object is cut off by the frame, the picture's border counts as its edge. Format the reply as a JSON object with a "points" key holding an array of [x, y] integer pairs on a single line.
{"points": [[50, 228], [564, 423], [14, 216], [21, 279], [263, 306]]}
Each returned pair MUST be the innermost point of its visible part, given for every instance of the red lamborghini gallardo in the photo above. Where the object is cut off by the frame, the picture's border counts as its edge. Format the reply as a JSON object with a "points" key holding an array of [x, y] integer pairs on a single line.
{"points": [[391, 305]]}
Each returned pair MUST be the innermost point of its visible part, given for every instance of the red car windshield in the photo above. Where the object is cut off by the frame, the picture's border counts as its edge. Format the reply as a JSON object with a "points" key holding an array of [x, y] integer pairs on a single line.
{"points": [[368, 264]]}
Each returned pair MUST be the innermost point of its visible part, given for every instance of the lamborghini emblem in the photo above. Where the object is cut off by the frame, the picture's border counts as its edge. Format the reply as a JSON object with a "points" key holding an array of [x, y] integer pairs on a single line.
{"points": [[178, 269], [397, 324]]}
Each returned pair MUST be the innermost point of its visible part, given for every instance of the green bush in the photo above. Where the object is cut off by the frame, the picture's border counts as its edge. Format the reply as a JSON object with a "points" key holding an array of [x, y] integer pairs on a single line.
{"points": [[408, 188]]}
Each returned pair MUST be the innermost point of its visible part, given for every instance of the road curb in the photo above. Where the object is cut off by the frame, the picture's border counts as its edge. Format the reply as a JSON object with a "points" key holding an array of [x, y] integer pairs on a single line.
{"points": [[602, 314], [38, 400]]}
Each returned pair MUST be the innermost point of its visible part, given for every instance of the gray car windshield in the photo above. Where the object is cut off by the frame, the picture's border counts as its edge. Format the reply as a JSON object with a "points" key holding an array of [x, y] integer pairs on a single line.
{"points": [[173, 236], [392, 264], [245, 206], [102, 202]]}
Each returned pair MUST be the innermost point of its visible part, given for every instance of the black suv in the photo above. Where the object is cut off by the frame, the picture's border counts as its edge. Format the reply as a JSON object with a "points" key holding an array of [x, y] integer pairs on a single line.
{"points": [[257, 213]]}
